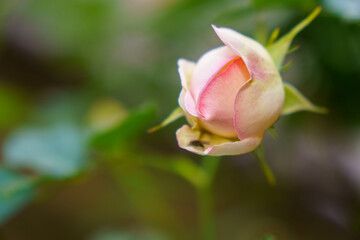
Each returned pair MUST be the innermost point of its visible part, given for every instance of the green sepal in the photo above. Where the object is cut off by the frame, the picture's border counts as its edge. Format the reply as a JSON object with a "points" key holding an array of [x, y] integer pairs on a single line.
{"points": [[174, 115], [279, 49], [295, 102], [272, 132]]}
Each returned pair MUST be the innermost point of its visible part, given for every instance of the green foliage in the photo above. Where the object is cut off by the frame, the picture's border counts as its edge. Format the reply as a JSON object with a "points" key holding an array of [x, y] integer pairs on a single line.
{"points": [[72, 26], [269, 238], [120, 235], [126, 132], [12, 107], [15, 191], [57, 151]]}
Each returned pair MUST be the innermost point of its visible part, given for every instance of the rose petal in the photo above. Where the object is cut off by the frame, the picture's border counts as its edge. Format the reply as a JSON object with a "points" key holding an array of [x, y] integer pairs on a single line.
{"points": [[256, 57], [190, 106], [185, 69], [191, 119], [186, 101], [216, 103], [207, 67], [207, 144], [259, 101], [257, 106]]}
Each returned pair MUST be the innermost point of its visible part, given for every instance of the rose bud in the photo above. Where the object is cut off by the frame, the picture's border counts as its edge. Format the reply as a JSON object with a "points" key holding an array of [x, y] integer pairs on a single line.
{"points": [[231, 96], [234, 93]]}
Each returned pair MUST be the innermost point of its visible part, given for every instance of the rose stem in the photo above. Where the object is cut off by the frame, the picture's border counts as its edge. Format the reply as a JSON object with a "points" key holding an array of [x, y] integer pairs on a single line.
{"points": [[205, 199], [260, 157]]}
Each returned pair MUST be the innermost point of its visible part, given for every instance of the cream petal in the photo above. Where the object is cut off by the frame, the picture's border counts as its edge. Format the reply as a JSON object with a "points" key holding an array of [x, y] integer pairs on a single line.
{"points": [[201, 143], [185, 69], [191, 119], [234, 148], [257, 107], [186, 102]]}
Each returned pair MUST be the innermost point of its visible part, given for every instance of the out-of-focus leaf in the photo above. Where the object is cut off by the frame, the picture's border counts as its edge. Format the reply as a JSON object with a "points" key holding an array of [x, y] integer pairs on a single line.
{"points": [[174, 115], [128, 130], [12, 107], [106, 114], [347, 9], [269, 238], [15, 192], [143, 189], [181, 166], [120, 235], [279, 49], [56, 151], [236, 13], [299, 4], [63, 107], [295, 102], [71, 26]]}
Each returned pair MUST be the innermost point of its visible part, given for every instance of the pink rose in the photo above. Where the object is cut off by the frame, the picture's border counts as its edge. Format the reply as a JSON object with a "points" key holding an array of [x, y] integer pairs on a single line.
{"points": [[234, 93], [230, 97]]}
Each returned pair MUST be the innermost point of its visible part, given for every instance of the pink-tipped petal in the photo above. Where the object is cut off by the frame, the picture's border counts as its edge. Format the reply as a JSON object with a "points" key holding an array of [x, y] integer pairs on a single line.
{"points": [[185, 69], [207, 67], [258, 103], [216, 103], [257, 107], [207, 144], [256, 57]]}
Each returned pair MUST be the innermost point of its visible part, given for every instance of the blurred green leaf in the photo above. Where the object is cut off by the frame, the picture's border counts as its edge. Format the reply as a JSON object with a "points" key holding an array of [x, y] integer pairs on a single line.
{"points": [[106, 114], [12, 107], [269, 238], [279, 49], [63, 107], [183, 167], [71, 26], [299, 4], [15, 191], [295, 102], [346, 9], [143, 189], [120, 235], [57, 150], [126, 131]]}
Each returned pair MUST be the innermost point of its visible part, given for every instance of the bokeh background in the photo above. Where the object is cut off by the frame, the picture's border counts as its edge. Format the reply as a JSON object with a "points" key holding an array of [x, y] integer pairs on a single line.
{"points": [[82, 80]]}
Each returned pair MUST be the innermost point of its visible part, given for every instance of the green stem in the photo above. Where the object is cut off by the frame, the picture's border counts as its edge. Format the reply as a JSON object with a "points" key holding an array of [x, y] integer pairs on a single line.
{"points": [[260, 157], [206, 213], [205, 200]]}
